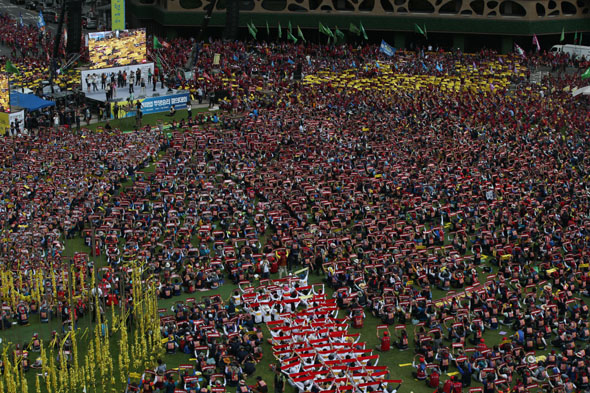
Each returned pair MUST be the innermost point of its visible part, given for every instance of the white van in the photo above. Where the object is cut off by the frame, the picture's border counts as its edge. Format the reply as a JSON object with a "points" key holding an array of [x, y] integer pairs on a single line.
{"points": [[578, 50]]}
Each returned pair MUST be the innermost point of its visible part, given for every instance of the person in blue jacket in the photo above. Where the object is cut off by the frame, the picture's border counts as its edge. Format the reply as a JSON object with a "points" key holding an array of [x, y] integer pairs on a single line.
{"points": [[466, 370]]}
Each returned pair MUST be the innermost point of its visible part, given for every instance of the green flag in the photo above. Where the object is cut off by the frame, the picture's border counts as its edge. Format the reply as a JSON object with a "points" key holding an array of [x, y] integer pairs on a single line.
{"points": [[157, 44], [280, 31], [326, 30], [290, 28], [562, 34], [329, 32], [158, 63], [576, 38], [338, 33], [10, 68], [300, 34], [419, 30], [252, 29], [267, 29], [425, 32], [363, 32], [353, 29], [291, 37], [586, 74]]}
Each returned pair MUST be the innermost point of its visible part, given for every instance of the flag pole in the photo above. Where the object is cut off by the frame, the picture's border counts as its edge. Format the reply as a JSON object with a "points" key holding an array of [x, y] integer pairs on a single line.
{"points": [[53, 62]]}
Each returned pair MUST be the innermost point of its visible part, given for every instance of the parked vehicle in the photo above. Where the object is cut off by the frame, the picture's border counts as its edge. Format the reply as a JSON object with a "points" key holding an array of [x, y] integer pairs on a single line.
{"points": [[32, 5], [89, 22], [50, 15], [577, 50]]}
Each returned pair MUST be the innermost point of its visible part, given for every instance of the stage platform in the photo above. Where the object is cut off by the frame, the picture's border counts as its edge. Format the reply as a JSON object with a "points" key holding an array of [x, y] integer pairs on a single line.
{"points": [[123, 94]]}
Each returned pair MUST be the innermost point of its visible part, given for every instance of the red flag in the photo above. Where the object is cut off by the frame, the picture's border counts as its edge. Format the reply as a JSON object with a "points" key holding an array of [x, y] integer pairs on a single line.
{"points": [[536, 42]]}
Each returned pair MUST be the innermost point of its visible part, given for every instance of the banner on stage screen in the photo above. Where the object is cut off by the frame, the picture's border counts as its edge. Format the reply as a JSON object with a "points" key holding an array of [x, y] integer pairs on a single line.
{"points": [[117, 48], [151, 105], [4, 93]]}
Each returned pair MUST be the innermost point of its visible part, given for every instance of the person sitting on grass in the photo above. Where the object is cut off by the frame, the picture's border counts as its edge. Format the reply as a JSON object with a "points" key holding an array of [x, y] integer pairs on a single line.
{"points": [[402, 341], [385, 340], [261, 386], [420, 373]]}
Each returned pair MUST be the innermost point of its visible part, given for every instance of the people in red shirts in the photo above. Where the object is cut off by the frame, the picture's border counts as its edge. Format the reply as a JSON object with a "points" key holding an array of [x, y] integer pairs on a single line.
{"points": [[448, 386], [385, 340]]}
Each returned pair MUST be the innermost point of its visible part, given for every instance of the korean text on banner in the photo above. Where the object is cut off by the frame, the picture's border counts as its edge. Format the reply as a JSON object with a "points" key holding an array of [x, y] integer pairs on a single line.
{"points": [[152, 104], [118, 14]]}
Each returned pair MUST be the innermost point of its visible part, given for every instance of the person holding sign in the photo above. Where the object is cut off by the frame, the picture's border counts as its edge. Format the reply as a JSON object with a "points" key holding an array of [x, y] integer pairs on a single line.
{"points": [[385, 339]]}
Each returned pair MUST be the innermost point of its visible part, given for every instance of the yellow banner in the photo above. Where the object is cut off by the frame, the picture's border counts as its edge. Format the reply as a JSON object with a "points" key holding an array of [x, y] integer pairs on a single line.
{"points": [[117, 14], [4, 123]]}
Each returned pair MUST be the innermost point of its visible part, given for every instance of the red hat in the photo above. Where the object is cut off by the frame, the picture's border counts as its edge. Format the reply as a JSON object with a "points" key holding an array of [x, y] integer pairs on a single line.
{"points": [[421, 358], [482, 340]]}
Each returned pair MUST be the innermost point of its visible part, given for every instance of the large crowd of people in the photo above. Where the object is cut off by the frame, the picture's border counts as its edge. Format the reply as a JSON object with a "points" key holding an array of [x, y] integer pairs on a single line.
{"points": [[440, 192]]}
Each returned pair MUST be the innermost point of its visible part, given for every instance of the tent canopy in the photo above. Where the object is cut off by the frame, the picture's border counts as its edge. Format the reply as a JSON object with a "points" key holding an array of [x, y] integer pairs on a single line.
{"points": [[29, 102]]}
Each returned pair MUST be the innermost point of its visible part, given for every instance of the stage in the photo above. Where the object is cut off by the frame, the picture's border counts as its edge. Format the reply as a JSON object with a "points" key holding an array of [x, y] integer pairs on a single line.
{"points": [[123, 94]]}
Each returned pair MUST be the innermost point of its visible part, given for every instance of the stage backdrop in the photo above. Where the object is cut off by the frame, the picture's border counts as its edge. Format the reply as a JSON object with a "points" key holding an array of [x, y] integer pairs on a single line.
{"points": [[143, 67], [152, 104]]}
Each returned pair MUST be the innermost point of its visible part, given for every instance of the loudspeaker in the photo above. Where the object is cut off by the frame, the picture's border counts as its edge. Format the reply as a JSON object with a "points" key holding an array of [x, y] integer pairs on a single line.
{"points": [[297, 73], [232, 19], [74, 26]]}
